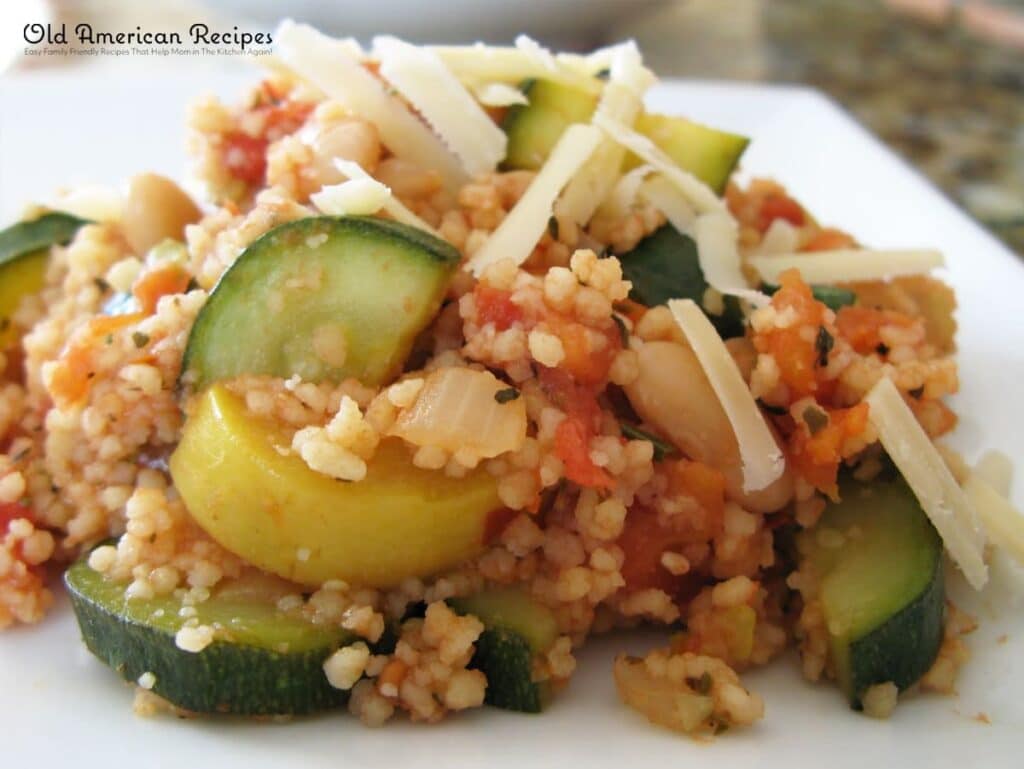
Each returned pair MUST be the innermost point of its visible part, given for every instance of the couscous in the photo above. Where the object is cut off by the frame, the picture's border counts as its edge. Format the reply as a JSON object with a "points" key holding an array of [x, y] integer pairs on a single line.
{"points": [[465, 358]]}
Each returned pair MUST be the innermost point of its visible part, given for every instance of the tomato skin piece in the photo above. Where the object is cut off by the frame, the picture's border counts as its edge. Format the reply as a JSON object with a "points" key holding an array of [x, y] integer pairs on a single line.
{"points": [[245, 157], [861, 326], [779, 206], [495, 305], [12, 511]]}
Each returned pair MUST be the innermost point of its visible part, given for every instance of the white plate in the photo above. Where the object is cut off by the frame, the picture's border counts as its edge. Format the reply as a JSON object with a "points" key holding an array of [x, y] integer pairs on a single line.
{"points": [[57, 702]]}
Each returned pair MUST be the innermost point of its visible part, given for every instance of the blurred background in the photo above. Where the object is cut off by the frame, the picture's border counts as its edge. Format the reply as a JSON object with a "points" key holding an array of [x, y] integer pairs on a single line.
{"points": [[940, 81]]}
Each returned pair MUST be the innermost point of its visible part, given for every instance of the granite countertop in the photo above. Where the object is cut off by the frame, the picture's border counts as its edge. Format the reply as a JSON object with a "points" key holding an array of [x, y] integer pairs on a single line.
{"points": [[947, 100]]}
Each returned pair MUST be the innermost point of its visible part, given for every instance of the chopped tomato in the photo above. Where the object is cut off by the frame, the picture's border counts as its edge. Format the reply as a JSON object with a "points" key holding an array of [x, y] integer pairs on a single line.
{"points": [[643, 541], [861, 326], [795, 354], [245, 157], [817, 457], [73, 372], [706, 485], [153, 284], [571, 397], [572, 446], [495, 305], [779, 206], [586, 365], [286, 118], [12, 511], [828, 239]]}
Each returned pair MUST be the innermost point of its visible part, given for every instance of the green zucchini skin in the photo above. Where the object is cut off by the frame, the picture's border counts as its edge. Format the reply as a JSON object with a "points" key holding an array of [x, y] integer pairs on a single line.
{"points": [[54, 228], [883, 591], [246, 679], [534, 129], [516, 630], [377, 282]]}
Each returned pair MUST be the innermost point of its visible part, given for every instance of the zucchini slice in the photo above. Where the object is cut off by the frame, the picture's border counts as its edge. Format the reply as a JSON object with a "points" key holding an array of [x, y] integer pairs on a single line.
{"points": [[879, 562], [265, 662], [24, 254], [325, 298], [707, 153], [535, 128], [517, 629]]}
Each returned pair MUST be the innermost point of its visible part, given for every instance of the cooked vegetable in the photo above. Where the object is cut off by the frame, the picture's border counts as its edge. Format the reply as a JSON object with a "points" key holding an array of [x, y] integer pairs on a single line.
{"points": [[534, 130], [461, 409], [24, 254], [672, 393], [664, 266], [324, 298], [707, 153], [270, 508], [263, 661], [155, 209], [517, 629], [832, 297], [878, 560], [667, 703]]}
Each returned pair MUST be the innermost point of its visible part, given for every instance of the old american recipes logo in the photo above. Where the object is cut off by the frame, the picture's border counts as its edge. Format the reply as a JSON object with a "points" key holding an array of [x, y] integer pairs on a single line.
{"points": [[199, 39]]}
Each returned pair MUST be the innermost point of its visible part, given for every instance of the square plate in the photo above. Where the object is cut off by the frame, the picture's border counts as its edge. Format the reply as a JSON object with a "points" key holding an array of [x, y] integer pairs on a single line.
{"points": [[58, 702]]}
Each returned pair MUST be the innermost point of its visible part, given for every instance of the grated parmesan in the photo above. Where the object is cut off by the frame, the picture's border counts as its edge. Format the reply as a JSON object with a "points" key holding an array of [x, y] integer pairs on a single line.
{"points": [[930, 479], [358, 197], [700, 196], [329, 65], [846, 265], [392, 205], [499, 95], [762, 459], [664, 196], [424, 81], [717, 236], [1004, 524], [524, 225], [480, 63]]}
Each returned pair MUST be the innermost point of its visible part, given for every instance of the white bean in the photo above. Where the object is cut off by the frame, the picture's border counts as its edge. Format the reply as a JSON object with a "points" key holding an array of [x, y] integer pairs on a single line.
{"points": [[156, 209]]}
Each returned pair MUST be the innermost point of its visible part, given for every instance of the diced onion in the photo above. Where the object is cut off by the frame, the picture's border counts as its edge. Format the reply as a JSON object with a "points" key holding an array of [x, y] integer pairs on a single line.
{"points": [[392, 205], [422, 78], [763, 461], [846, 265], [524, 225], [457, 409], [357, 197], [701, 196], [929, 478], [329, 65], [1004, 524]]}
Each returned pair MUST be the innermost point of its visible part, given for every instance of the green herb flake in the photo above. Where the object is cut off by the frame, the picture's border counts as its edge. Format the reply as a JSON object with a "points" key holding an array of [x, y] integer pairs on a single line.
{"points": [[778, 411], [109, 339], [823, 344], [916, 393], [623, 331], [193, 284], [140, 339], [700, 685], [553, 228], [815, 419], [662, 448], [882, 349], [101, 284], [507, 395]]}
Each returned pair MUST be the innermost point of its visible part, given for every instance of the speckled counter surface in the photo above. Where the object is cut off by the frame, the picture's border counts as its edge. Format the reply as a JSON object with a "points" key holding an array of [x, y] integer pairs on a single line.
{"points": [[950, 103]]}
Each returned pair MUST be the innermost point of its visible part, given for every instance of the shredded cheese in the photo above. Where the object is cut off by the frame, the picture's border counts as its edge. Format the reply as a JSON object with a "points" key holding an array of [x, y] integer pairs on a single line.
{"points": [[624, 195], [700, 196], [499, 95], [717, 236], [663, 195], [394, 207], [329, 65], [933, 484], [846, 265], [762, 459], [1004, 524], [422, 78], [357, 197], [524, 225], [996, 469], [479, 63]]}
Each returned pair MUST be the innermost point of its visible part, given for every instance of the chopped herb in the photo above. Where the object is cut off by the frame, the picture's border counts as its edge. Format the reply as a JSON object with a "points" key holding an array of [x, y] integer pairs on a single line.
{"points": [[193, 284], [662, 448], [882, 349], [140, 339], [823, 344], [553, 228], [623, 331], [507, 395], [778, 411], [109, 339], [815, 419], [101, 284], [832, 297], [21, 455], [916, 393], [604, 74]]}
